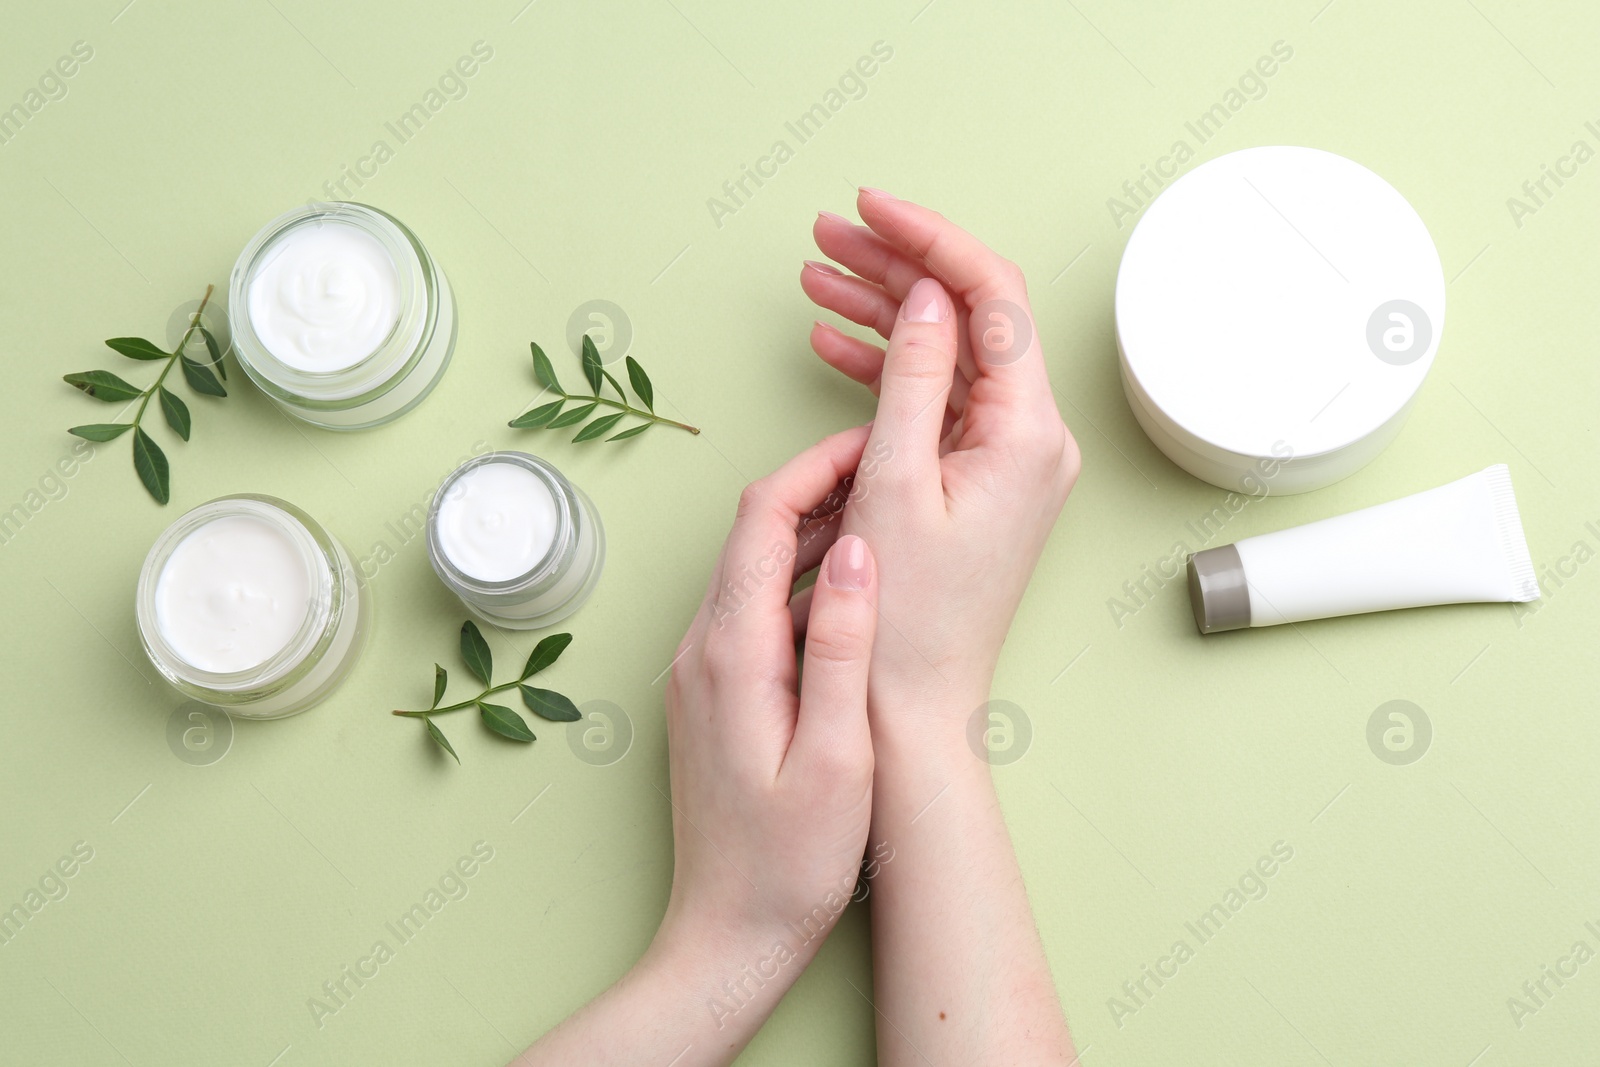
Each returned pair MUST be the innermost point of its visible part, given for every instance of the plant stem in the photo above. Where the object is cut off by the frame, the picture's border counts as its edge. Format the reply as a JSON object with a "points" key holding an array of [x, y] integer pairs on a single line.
{"points": [[194, 324], [631, 410], [458, 707]]}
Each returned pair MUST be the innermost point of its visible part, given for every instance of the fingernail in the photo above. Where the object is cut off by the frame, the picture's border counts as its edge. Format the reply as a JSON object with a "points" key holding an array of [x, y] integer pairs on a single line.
{"points": [[831, 217], [926, 302], [879, 193], [823, 268], [847, 564]]}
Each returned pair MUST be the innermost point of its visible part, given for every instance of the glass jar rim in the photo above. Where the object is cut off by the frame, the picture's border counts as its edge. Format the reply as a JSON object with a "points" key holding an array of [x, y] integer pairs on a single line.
{"points": [[320, 559], [563, 546], [379, 370]]}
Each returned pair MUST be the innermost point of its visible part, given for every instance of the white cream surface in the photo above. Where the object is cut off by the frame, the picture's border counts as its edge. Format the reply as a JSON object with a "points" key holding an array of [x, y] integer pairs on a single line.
{"points": [[232, 594], [497, 521], [325, 297]]}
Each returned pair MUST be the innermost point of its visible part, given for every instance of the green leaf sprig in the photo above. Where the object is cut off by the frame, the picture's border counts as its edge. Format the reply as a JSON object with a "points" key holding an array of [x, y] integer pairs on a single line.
{"points": [[553, 415], [545, 703], [149, 461]]}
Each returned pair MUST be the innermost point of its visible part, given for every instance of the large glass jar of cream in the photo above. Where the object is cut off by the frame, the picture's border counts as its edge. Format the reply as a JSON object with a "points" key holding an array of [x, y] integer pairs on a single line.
{"points": [[341, 316], [247, 603], [518, 543]]}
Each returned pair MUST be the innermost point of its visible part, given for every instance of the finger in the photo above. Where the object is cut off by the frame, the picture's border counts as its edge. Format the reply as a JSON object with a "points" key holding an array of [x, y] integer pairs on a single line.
{"points": [[968, 267], [992, 288], [914, 392], [875, 260], [800, 610], [758, 566], [818, 532], [851, 356], [867, 254], [831, 737], [859, 301], [863, 362]]}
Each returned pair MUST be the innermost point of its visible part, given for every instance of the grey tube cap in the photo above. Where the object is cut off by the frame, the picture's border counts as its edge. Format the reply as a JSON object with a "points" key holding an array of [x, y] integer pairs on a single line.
{"points": [[1217, 590]]}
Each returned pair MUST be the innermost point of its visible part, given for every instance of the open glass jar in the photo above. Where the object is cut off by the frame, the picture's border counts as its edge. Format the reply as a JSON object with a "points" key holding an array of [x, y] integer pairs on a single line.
{"points": [[249, 604], [341, 316], [519, 544]]}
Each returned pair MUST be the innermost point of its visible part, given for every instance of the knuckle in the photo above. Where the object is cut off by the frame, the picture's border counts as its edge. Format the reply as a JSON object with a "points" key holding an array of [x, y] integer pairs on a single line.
{"points": [[1012, 274], [1071, 459], [721, 655], [1044, 441], [752, 500], [922, 361], [837, 644]]}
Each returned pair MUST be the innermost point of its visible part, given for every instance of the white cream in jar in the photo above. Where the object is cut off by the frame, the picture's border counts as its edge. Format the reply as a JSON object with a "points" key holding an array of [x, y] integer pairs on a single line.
{"points": [[325, 297], [518, 543], [249, 604], [232, 594], [497, 522], [341, 316]]}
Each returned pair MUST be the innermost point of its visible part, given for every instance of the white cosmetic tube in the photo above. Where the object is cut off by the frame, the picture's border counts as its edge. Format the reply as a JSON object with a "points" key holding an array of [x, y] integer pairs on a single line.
{"points": [[1461, 543]]}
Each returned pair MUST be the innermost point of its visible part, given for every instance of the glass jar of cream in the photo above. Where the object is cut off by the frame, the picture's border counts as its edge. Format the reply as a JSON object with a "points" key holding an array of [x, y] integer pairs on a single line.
{"points": [[518, 543], [341, 316], [247, 603]]}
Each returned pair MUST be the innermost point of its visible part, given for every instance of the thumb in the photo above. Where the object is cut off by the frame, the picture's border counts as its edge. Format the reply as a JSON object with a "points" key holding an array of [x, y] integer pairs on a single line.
{"points": [[831, 737], [914, 389]]}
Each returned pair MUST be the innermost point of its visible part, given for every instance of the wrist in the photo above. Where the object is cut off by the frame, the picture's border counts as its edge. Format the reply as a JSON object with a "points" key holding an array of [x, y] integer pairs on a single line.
{"points": [[734, 973], [925, 726]]}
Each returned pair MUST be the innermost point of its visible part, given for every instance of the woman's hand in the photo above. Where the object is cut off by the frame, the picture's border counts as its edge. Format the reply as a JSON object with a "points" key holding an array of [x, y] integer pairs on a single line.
{"points": [[970, 467], [771, 781], [973, 463], [772, 776]]}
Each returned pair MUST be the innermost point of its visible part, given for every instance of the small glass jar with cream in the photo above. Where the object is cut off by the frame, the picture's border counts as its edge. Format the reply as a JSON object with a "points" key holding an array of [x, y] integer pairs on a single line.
{"points": [[518, 543], [341, 316], [247, 603]]}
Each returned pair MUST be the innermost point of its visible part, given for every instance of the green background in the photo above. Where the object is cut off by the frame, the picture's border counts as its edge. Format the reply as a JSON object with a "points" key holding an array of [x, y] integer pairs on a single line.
{"points": [[577, 166]]}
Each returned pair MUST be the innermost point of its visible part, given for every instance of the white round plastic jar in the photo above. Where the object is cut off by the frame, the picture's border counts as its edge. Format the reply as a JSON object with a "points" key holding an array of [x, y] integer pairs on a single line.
{"points": [[1277, 311], [341, 316], [249, 604]]}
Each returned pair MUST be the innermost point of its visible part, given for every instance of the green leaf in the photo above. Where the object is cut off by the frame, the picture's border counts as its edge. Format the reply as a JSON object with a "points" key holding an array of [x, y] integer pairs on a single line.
{"points": [[505, 722], [635, 432], [576, 415], [200, 378], [599, 427], [621, 394], [641, 383], [151, 464], [475, 650], [538, 416], [543, 370], [442, 741], [176, 411], [548, 704], [101, 431], [591, 364], [545, 653], [103, 385], [136, 348], [214, 350], [441, 678]]}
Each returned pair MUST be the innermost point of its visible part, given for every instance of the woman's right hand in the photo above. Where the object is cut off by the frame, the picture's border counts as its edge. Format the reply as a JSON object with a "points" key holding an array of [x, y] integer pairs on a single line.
{"points": [[970, 465], [971, 461]]}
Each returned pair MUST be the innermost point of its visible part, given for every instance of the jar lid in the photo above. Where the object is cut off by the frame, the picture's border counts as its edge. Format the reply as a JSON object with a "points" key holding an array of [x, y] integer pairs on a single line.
{"points": [[1277, 302]]}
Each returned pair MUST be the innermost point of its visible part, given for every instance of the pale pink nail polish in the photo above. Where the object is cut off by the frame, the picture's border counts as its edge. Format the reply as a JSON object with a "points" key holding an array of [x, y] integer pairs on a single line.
{"points": [[823, 268], [847, 564], [879, 193], [831, 217], [926, 302]]}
